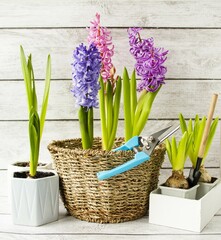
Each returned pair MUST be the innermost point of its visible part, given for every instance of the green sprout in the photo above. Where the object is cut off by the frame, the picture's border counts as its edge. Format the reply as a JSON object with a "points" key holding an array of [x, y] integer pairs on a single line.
{"points": [[109, 99], [197, 129], [136, 111], [36, 123], [178, 152]]}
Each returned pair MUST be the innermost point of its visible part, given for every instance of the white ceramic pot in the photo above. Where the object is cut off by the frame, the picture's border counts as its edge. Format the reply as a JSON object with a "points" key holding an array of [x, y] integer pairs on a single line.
{"points": [[178, 192], [35, 201], [12, 168], [204, 188]]}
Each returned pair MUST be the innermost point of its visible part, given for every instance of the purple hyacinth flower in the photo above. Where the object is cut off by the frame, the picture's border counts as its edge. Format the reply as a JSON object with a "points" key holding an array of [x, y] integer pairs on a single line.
{"points": [[85, 72], [149, 61]]}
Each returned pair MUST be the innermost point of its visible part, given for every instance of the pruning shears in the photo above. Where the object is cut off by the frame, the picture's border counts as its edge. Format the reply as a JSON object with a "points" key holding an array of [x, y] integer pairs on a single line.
{"points": [[143, 148]]}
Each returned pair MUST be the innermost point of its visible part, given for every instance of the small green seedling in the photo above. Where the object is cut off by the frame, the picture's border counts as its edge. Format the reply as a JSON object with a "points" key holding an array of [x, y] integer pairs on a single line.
{"points": [[197, 129], [36, 123], [177, 154]]}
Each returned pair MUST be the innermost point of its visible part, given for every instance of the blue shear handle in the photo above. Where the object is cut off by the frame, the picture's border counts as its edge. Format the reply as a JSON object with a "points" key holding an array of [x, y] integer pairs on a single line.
{"points": [[133, 142], [140, 157]]}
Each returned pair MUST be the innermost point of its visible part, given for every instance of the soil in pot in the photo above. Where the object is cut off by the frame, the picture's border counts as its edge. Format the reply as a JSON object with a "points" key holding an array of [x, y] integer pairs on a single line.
{"points": [[38, 174], [27, 164]]}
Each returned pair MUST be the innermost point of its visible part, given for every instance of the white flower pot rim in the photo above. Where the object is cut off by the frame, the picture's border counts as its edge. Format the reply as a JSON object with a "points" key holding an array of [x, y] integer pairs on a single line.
{"points": [[179, 192]]}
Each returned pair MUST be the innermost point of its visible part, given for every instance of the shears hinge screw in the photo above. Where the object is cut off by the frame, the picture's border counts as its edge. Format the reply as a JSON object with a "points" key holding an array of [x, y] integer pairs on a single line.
{"points": [[147, 146], [151, 139]]}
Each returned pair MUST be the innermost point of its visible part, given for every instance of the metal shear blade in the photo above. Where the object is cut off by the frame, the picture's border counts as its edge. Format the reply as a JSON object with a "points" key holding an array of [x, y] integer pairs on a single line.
{"points": [[156, 138], [147, 144]]}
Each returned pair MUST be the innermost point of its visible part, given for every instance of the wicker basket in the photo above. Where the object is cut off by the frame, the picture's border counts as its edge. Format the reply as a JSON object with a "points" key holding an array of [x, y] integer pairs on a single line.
{"points": [[121, 198]]}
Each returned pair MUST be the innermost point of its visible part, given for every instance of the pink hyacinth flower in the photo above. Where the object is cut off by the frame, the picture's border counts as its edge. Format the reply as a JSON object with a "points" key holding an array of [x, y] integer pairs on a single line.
{"points": [[101, 38]]}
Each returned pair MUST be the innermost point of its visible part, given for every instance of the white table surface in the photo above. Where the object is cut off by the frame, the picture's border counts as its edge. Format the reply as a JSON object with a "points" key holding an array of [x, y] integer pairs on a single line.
{"points": [[68, 227]]}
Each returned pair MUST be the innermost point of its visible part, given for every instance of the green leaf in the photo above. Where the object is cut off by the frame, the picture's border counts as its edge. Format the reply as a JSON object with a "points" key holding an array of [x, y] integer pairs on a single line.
{"points": [[133, 94], [169, 152], [181, 150], [34, 133], [116, 112], [196, 120], [189, 144], [173, 151], [182, 123], [31, 75], [46, 95], [194, 154], [27, 79], [109, 105], [127, 107], [178, 154], [103, 114], [212, 131], [139, 107], [148, 102], [190, 127]]}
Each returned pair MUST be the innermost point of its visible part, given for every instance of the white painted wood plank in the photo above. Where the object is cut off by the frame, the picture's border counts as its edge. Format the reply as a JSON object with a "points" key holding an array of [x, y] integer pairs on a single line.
{"points": [[174, 97], [3, 191], [71, 225], [4, 206], [190, 56], [15, 144], [160, 13], [6, 236]]}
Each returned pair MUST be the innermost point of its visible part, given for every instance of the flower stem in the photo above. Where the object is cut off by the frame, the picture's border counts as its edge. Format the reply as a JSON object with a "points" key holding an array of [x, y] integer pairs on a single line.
{"points": [[90, 122], [83, 120]]}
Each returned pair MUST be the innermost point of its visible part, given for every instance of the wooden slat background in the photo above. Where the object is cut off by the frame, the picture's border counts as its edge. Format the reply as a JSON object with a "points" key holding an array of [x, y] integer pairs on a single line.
{"points": [[191, 30], [194, 53], [121, 13]]}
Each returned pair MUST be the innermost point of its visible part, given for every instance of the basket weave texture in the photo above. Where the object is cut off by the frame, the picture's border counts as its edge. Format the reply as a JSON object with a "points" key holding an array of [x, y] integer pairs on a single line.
{"points": [[121, 198]]}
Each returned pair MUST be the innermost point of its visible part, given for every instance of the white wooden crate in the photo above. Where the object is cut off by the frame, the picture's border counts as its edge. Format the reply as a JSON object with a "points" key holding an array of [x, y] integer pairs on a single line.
{"points": [[187, 214]]}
